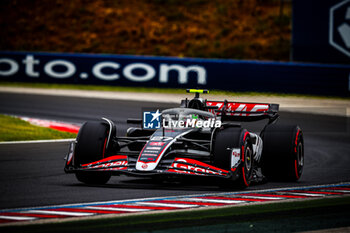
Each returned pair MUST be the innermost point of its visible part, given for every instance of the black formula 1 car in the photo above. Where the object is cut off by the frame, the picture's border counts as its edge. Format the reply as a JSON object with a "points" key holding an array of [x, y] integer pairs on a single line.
{"points": [[200, 138]]}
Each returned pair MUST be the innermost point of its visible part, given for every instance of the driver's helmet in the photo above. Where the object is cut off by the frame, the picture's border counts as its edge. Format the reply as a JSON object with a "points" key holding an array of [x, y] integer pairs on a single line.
{"points": [[196, 103]]}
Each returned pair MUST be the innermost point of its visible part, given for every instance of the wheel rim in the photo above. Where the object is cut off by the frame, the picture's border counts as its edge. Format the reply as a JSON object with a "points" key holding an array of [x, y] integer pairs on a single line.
{"points": [[248, 159], [300, 157]]}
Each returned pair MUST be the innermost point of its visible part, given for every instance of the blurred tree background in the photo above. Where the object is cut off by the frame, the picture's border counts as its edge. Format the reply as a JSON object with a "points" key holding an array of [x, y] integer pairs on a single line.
{"points": [[238, 29]]}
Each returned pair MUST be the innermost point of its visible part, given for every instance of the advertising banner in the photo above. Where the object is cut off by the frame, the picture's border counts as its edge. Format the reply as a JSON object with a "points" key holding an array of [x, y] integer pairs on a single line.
{"points": [[169, 72]]}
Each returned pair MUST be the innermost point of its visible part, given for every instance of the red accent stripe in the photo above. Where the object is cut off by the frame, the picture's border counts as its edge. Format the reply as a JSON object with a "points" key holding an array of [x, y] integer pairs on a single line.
{"points": [[296, 169], [242, 157], [245, 135], [90, 211], [271, 195], [194, 163], [181, 172], [34, 215], [296, 141], [114, 157], [191, 203], [104, 148], [296, 162]]}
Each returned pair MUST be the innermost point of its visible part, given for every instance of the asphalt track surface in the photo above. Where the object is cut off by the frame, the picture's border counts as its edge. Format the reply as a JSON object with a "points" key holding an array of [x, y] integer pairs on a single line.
{"points": [[32, 174]]}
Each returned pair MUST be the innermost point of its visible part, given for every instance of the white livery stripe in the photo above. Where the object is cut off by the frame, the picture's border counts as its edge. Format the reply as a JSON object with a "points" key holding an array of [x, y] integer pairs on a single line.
{"points": [[167, 205], [212, 200], [115, 209], [53, 212], [16, 218]]}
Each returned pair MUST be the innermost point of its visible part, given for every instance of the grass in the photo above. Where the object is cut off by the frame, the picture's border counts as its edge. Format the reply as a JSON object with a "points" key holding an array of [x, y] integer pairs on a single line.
{"points": [[14, 129], [285, 216], [155, 90]]}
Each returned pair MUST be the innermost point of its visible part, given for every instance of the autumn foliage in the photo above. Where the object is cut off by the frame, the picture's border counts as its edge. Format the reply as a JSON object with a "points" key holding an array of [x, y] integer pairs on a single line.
{"points": [[240, 29]]}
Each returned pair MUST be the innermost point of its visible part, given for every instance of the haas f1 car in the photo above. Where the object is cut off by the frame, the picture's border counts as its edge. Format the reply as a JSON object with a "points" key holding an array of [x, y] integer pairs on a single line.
{"points": [[200, 138]]}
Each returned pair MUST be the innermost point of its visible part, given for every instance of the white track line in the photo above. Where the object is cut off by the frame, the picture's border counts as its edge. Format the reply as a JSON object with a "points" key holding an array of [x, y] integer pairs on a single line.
{"points": [[18, 218], [37, 141], [167, 205], [212, 200], [53, 212], [305, 194]]}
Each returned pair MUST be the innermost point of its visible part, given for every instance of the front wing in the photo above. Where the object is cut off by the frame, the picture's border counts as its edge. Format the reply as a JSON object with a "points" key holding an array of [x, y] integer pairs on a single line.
{"points": [[124, 164]]}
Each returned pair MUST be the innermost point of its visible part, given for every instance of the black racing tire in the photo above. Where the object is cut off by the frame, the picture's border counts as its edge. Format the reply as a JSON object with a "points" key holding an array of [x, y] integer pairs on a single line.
{"points": [[283, 152], [234, 137], [90, 147]]}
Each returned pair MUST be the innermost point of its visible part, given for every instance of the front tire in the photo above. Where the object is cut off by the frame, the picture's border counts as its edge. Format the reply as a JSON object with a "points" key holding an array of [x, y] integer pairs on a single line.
{"points": [[229, 138], [90, 147]]}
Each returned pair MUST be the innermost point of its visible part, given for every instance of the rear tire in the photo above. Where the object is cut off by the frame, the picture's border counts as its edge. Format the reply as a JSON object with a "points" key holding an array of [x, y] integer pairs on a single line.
{"points": [[283, 152], [90, 147], [234, 137]]}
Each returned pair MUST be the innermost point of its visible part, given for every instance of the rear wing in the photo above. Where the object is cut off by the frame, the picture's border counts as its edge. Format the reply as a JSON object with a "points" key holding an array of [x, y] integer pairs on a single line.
{"points": [[232, 111], [238, 111]]}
